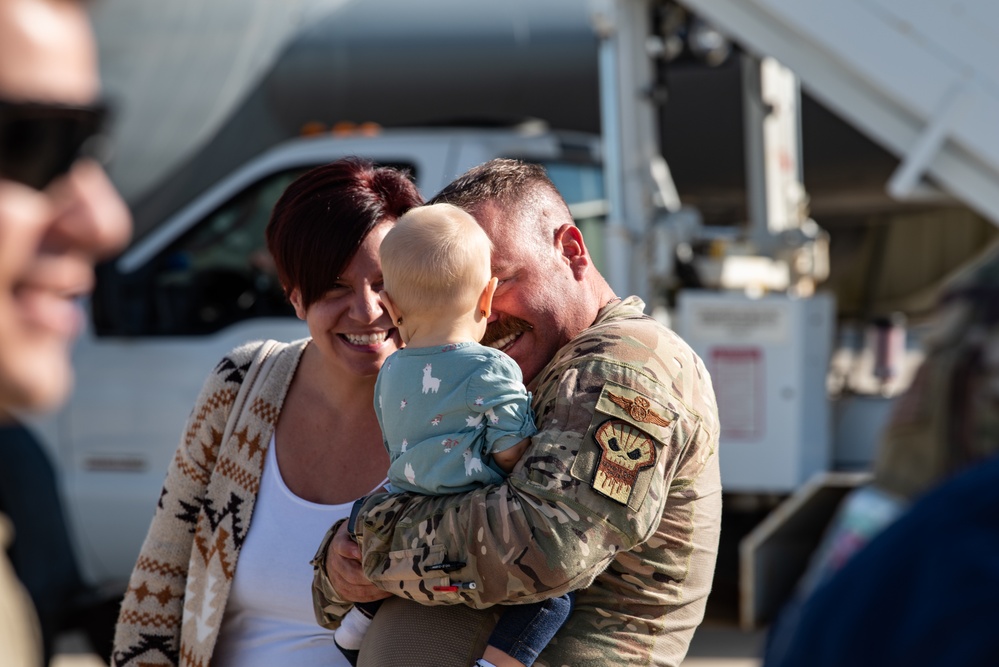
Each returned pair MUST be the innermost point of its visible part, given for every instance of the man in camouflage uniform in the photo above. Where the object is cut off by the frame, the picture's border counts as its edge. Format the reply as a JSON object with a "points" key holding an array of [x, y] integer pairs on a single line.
{"points": [[618, 497]]}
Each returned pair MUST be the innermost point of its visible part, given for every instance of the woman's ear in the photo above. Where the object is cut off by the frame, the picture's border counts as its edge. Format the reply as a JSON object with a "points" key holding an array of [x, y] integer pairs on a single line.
{"points": [[296, 300], [486, 298], [390, 307], [569, 241]]}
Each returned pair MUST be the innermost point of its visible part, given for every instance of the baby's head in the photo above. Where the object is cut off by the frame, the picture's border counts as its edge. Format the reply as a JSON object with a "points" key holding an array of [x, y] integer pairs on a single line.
{"points": [[435, 264]]}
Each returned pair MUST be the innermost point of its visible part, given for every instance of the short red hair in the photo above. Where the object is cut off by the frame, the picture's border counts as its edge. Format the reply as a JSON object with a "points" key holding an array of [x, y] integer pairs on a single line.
{"points": [[323, 217]]}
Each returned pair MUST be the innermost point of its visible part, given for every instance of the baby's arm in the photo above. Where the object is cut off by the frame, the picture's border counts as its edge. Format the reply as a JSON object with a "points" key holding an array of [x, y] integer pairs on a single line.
{"points": [[501, 394], [508, 458]]}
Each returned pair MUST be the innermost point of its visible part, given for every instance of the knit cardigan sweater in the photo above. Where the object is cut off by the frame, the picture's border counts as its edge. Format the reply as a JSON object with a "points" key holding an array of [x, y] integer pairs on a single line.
{"points": [[173, 608]]}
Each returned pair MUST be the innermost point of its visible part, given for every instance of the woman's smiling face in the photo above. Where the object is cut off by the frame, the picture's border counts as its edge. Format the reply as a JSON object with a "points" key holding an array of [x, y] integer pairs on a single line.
{"points": [[348, 323]]}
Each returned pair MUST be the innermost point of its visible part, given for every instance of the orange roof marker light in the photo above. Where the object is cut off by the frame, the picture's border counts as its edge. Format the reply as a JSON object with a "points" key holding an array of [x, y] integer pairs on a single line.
{"points": [[343, 128], [349, 129], [312, 128]]}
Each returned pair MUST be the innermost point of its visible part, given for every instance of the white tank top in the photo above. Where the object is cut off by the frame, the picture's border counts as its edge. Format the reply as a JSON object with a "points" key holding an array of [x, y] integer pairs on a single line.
{"points": [[268, 617]]}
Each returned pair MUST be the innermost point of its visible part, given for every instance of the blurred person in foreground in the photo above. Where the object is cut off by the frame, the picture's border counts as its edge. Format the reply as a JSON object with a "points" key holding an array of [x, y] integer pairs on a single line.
{"points": [[59, 214], [280, 442], [865, 599], [618, 496]]}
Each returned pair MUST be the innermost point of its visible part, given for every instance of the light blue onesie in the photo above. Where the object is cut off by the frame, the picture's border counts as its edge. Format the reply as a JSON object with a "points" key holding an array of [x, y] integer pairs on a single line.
{"points": [[444, 409]]}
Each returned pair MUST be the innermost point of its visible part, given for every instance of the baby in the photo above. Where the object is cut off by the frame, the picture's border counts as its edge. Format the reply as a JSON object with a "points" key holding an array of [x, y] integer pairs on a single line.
{"points": [[455, 415]]}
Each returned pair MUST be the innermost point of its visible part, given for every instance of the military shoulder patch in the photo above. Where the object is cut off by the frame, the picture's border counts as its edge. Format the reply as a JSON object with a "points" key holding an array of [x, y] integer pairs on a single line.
{"points": [[638, 409], [623, 444], [625, 451]]}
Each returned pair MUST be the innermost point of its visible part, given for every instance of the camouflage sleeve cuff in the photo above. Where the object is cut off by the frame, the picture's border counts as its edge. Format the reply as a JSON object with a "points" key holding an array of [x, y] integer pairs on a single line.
{"points": [[352, 519], [326, 602]]}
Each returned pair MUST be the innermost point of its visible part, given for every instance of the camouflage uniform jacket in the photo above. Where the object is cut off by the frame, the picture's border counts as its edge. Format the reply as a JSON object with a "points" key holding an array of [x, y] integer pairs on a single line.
{"points": [[618, 495]]}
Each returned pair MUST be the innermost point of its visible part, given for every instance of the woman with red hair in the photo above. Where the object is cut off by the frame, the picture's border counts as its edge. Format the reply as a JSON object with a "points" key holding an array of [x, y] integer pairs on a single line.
{"points": [[281, 441]]}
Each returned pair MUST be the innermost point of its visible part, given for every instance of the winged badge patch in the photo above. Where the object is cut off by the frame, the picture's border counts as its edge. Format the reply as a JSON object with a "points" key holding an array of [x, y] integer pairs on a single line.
{"points": [[638, 408]]}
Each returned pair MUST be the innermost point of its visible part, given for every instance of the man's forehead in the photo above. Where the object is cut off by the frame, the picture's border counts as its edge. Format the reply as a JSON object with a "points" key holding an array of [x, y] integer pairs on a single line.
{"points": [[47, 53], [500, 221]]}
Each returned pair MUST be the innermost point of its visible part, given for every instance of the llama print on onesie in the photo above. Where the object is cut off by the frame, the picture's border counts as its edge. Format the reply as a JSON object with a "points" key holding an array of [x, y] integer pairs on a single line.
{"points": [[472, 464], [493, 419], [430, 383]]}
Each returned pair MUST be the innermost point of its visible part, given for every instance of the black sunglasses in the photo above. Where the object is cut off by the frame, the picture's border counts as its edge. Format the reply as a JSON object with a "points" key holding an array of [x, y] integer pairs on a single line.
{"points": [[39, 141]]}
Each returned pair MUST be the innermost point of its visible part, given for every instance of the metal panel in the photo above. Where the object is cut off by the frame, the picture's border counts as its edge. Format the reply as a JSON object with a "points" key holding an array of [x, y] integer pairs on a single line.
{"points": [[768, 359]]}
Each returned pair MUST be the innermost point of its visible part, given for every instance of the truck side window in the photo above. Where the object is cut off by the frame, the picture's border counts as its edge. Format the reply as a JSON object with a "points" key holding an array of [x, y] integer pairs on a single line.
{"points": [[220, 271]]}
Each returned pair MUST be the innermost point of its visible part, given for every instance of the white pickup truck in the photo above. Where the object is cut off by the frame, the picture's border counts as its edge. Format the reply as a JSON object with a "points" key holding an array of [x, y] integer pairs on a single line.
{"points": [[166, 311]]}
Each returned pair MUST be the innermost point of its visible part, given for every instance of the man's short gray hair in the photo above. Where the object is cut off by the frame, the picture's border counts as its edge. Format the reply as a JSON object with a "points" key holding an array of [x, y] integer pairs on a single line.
{"points": [[515, 185], [503, 180]]}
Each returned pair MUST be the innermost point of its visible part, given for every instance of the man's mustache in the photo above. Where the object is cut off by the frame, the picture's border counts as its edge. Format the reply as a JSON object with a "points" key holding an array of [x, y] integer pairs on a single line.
{"points": [[504, 327]]}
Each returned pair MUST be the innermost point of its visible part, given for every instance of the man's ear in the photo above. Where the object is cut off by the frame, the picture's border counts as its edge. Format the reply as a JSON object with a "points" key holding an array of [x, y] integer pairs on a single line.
{"points": [[569, 241], [486, 298], [390, 307], [296, 300]]}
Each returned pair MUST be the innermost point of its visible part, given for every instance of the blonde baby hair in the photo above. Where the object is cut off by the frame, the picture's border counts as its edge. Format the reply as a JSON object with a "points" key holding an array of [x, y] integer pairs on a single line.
{"points": [[436, 260]]}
